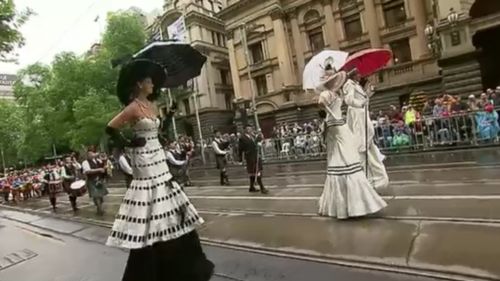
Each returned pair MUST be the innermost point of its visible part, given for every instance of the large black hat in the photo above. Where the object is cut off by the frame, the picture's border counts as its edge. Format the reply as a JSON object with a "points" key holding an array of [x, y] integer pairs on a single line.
{"points": [[136, 70]]}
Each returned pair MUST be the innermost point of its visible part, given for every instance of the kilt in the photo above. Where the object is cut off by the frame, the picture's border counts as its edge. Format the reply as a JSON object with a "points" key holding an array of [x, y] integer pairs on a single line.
{"points": [[221, 161], [254, 166], [96, 189]]}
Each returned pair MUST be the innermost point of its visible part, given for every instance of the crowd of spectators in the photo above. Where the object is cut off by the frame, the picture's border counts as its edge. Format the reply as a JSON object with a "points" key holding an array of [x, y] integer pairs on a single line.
{"points": [[442, 121]]}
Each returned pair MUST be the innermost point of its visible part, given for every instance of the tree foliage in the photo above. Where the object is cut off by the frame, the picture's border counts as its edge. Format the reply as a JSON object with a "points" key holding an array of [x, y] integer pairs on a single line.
{"points": [[10, 23], [10, 130], [68, 103]]}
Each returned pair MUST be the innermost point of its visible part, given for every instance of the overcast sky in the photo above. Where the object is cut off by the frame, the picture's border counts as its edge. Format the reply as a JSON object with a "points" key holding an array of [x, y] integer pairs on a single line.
{"points": [[66, 25]]}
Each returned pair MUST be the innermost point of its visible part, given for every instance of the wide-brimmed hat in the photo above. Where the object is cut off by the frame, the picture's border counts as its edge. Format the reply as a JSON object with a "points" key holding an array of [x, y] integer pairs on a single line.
{"points": [[134, 71], [338, 79]]}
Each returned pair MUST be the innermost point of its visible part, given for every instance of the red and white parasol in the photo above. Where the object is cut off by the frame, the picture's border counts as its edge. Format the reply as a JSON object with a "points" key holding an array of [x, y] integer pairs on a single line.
{"points": [[368, 61]]}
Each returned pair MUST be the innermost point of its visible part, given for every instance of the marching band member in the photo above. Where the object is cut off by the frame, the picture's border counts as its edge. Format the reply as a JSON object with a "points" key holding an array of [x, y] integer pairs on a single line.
{"points": [[95, 172], [124, 164], [69, 175], [175, 165], [249, 145], [220, 146], [53, 179]]}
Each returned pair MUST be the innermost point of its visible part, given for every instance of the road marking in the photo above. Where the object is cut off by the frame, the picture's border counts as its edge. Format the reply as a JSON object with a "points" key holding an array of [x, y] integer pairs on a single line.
{"points": [[304, 185], [409, 197], [253, 198], [44, 208], [447, 197]]}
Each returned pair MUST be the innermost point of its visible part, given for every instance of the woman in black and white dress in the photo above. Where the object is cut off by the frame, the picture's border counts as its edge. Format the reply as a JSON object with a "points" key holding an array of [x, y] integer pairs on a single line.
{"points": [[155, 221]]}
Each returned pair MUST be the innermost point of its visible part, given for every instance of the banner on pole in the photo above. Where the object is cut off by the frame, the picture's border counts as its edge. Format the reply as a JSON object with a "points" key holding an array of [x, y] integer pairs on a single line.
{"points": [[177, 30]]}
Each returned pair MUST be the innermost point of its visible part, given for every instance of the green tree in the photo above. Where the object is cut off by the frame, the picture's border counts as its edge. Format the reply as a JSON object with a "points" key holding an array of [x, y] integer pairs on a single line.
{"points": [[68, 103], [125, 34], [10, 23], [32, 93], [10, 130]]}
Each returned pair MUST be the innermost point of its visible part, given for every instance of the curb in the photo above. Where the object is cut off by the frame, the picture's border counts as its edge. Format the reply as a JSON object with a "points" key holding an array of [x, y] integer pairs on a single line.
{"points": [[297, 255], [389, 154]]}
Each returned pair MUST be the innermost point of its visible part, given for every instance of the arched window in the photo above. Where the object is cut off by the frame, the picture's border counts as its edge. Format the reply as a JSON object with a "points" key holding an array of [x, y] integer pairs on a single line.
{"points": [[351, 19], [314, 31], [311, 16]]}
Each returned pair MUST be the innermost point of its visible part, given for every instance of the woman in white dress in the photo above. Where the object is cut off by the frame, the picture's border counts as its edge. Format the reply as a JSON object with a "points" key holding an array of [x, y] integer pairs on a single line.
{"points": [[347, 193], [156, 221], [356, 97]]}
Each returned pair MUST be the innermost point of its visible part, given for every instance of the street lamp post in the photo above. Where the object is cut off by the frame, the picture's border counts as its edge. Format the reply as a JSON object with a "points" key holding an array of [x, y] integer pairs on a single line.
{"points": [[3, 161], [200, 133], [243, 32], [433, 39]]}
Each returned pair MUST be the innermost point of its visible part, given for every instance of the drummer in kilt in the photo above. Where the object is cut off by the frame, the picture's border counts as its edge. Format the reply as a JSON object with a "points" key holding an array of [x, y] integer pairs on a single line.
{"points": [[69, 173], [95, 172], [249, 145], [54, 183], [220, 146]]}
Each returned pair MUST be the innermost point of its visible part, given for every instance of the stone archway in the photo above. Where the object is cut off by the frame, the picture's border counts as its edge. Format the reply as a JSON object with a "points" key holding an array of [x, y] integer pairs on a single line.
{"points": [[487, 43], [267, 120], [266, 107]]}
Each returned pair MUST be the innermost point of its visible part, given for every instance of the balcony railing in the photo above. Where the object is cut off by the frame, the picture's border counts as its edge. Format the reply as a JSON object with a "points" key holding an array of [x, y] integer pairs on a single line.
{"points": [[409, 71]]}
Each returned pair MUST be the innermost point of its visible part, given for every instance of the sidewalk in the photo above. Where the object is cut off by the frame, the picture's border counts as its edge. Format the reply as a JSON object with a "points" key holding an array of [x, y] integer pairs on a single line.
{"points": [[469, 250], [454, 251]]}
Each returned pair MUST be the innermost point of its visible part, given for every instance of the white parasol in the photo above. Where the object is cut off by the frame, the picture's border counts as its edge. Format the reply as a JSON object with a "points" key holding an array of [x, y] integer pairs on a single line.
{"points": [[314, 70]]}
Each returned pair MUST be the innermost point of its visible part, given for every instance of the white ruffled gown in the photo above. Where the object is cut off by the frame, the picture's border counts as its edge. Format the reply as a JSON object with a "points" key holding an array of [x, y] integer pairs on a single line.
{"points": [[356, 98], [347, 192]]}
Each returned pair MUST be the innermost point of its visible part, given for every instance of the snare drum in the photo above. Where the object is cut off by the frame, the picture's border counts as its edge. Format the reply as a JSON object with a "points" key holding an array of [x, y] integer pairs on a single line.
{"points": [[78, 188], [55, 186]]}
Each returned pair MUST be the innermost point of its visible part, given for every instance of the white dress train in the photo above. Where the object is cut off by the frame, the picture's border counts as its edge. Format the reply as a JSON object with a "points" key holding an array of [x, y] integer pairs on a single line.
{"points": [[347, 192], [356, 98]]}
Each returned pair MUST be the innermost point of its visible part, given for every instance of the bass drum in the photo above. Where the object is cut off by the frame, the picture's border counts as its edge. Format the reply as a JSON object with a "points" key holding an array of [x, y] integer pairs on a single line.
{"points": [[78, 188]]}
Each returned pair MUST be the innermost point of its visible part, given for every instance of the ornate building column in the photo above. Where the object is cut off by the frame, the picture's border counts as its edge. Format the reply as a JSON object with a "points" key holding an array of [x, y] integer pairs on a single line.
{"points": [[298, 42], [331, 32], [372, 24], [281, 45], [233, 65], [418, 12]]}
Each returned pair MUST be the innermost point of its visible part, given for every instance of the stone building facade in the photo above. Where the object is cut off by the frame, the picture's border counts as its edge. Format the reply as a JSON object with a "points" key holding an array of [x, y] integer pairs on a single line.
{"points": [[7, 86], [212, 90], [282, 35]]}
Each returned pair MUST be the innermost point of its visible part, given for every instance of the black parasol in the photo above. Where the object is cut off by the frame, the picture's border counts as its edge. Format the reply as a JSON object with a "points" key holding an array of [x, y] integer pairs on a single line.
{"points": [[181, 61]]}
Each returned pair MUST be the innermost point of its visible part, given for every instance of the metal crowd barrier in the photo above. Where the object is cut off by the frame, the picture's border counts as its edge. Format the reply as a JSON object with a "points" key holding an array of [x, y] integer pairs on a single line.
{"points": [[471, 129], [459, 130]]}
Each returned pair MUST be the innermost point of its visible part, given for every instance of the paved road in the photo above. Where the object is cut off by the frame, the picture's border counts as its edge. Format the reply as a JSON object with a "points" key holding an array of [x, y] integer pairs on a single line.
{"points": [[35, 254], [453, 207]]}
